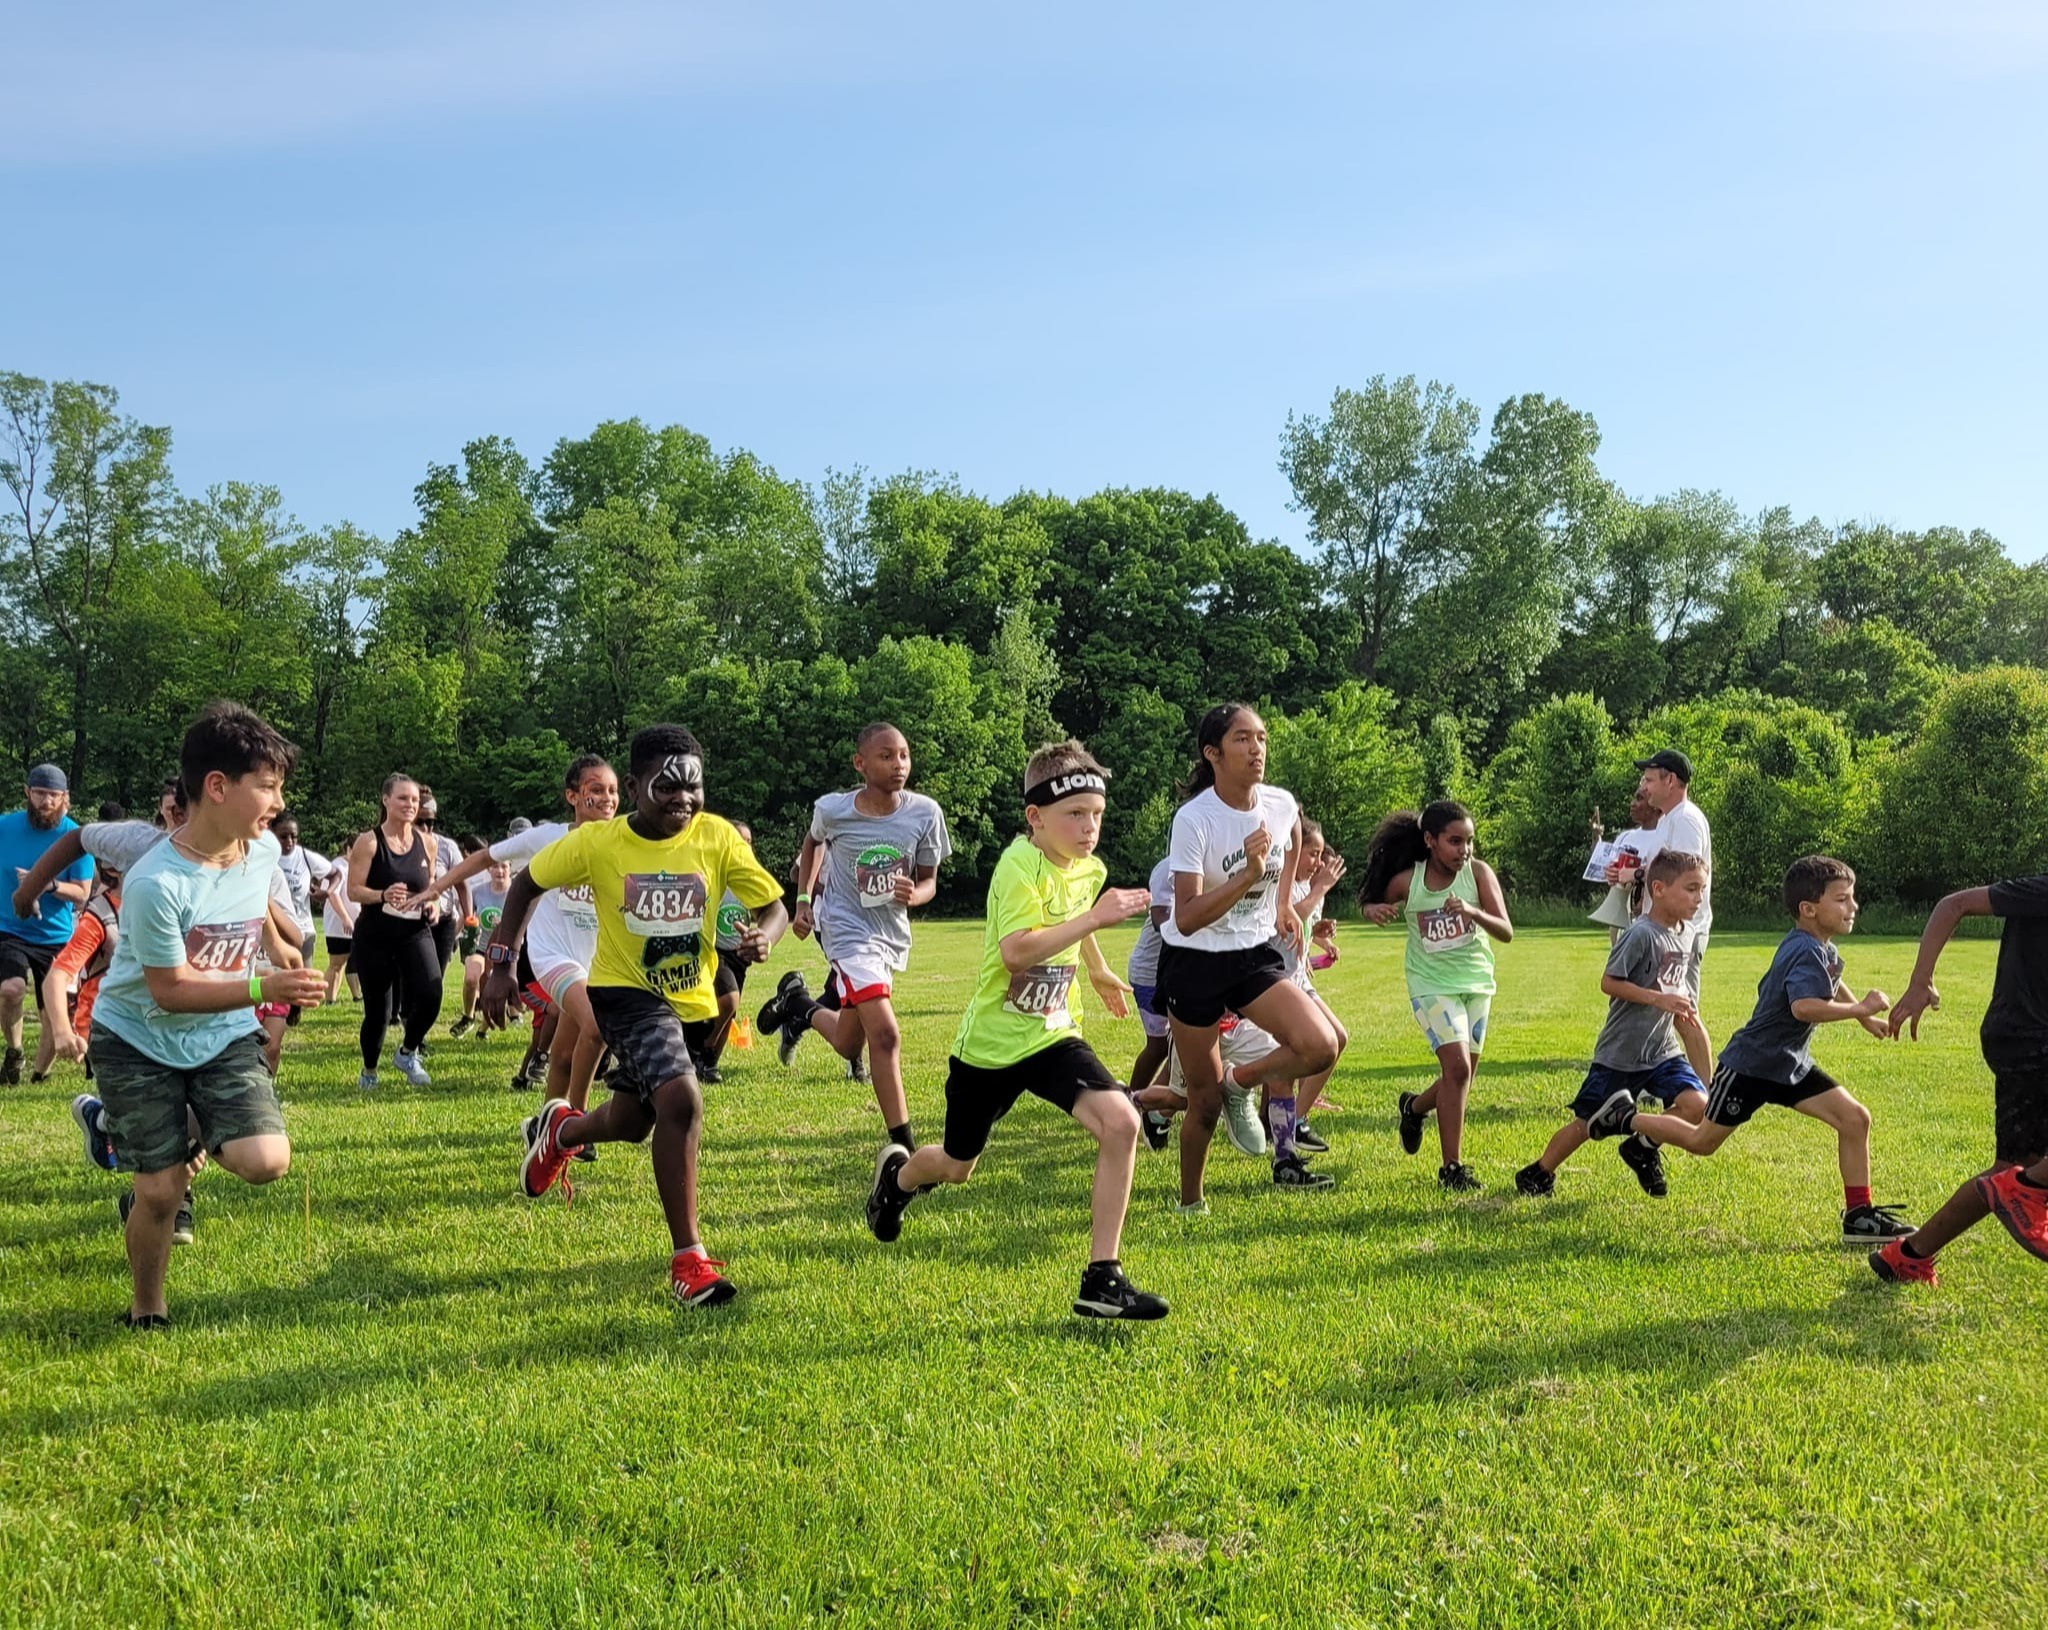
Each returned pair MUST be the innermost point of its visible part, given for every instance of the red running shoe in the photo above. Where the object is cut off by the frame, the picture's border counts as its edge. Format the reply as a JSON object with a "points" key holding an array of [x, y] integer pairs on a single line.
{"points": [[2020, 1206], [1891, 1264], [694, 1279], [546, 1159]]}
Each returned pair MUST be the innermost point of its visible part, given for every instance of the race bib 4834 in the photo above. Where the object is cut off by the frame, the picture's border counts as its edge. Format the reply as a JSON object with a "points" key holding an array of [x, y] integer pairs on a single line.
{"points": [[663, 904]]}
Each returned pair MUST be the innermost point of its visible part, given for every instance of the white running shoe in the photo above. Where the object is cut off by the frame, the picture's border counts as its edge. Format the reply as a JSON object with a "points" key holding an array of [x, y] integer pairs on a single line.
{"points": [[1241, 1119], [412, 1069]]}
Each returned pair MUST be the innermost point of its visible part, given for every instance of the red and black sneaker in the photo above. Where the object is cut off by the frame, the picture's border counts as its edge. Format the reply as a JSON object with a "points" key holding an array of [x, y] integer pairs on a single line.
{"points": [[546, 1159], [2020, 1206], [694, 1279], [1891, 1264]]}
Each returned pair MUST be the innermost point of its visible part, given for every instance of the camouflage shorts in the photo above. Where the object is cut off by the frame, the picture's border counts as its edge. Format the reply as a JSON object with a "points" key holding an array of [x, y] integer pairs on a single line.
{"points": [[147, 1102]]}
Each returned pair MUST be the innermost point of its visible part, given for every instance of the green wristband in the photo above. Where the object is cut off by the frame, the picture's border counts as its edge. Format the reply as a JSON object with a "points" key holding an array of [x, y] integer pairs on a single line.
{"points": [[803, 899], [255, 991]]}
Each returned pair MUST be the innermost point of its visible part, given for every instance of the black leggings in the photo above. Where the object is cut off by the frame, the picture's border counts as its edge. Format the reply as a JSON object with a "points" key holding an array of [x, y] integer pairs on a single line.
{"points": [[404, 966]]}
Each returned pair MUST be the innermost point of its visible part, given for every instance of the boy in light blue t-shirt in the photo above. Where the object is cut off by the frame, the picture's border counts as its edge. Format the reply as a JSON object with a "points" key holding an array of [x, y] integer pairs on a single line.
{"points": [[175, 1045]]}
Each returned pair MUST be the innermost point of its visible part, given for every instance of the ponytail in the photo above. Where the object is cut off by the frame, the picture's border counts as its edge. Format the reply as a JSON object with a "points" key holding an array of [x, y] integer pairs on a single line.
{"points": [[1399, 843], [1209, 733]]}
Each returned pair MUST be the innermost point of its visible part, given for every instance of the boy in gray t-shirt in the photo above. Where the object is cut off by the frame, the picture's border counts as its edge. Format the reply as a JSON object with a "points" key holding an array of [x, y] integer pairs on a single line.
{"points": [[1653, 1042], [880, 848]]}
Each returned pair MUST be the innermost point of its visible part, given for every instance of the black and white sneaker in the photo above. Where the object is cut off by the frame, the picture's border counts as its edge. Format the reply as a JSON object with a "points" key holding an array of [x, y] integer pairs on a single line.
{"points": [[857, 1070], [708, 1076], [1158, 1128], [10, 1067], [1534, 1181], [1862, 1224], [1107, 1294], [1308, 1140], [1612, 1118], [183, 1229], [1411, 1124], [777, 1015], [886, 1200], [1291, 1172], [1458, 1178], [1640, 1156]]}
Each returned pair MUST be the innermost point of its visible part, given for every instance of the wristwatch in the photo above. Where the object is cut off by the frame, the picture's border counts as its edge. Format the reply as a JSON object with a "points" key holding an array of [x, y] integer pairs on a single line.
{"points": [[500, 955]]}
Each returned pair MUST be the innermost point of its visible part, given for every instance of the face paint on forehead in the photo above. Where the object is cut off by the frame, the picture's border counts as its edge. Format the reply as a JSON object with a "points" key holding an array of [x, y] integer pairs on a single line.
{"points": [[680, 770]]}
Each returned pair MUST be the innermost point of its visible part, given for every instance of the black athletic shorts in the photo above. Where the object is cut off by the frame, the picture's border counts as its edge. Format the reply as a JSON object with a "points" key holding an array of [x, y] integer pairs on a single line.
{"points": [[1734, 1097], [338, 944], [19, 959], [976, 1098], [731, 977], [2021, 1116], [649, 1044], [1199, 987]]}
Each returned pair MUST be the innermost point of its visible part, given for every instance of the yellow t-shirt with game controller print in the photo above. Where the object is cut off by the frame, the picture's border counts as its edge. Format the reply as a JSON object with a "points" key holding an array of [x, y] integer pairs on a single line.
{"points": [[1015, 1015], [657, 922]]}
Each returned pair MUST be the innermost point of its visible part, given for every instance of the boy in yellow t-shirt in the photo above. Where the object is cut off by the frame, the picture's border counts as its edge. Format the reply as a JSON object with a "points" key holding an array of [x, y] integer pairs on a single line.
{"points": [[656, 877], [1022, 1033]]}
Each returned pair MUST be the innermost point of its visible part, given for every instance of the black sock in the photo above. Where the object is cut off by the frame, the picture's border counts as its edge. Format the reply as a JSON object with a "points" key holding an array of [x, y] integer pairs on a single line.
{"points": [[903, 1135], [1906, 1246], [1106, 1262]]}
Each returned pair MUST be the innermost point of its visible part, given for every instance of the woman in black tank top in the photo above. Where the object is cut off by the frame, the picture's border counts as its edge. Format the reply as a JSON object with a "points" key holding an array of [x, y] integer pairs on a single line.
{"points": [[393, 954]]}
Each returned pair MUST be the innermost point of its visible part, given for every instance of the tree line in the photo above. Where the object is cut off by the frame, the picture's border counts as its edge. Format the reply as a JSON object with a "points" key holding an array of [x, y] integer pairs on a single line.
{"points": [[1480, 614]]}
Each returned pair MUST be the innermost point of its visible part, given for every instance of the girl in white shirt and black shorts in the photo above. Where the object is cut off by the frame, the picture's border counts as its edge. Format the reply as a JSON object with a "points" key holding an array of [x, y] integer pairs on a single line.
{"points": [[1235, 844]]}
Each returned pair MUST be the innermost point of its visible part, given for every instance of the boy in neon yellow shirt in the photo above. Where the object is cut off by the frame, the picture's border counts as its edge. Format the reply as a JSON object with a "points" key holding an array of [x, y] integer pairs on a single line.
{"points": [[1022, 1032], [656, 877]]}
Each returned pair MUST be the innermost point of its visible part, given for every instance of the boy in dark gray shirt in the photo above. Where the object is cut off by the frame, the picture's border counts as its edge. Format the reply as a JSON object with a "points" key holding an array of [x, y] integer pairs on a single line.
{"points": [[1768, 1060], [1653, 1041]]}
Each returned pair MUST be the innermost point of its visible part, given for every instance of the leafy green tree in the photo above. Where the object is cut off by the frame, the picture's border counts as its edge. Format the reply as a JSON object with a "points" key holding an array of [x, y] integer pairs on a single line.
{"points": [[1879, 678], [1348, 762], [1560, 763], [1968, 802], [86, 487], [1367, 475]]}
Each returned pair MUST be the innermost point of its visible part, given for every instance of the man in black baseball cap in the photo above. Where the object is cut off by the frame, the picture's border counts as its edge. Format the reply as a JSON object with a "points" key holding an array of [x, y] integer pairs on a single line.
{"points": [[1671, 762], [29, 944]]}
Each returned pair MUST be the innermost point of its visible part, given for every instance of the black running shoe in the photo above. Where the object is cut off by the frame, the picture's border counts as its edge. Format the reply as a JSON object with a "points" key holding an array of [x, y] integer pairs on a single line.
{"points": [[886, 1200], [1291, 1172], [10, 1068], [1861, 1224], [768, 1018], [462, 1026], [146, 1321], [1157, 1126], [1457, 1178], [1534, 1181], [1107, 1294], [585, 1152], [1613, 1116], [707, 1075], [183, 1229], [1308, 1140], [1411, 1124], [1640, 1156]]}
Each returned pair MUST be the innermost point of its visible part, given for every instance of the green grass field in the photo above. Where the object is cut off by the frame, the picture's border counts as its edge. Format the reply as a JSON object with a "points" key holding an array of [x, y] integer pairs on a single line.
{"points": [[399, 1393]]}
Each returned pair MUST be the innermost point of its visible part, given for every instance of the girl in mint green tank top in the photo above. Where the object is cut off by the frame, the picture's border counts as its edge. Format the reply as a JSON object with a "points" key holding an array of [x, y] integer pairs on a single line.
{"points": [[1423, 865]]}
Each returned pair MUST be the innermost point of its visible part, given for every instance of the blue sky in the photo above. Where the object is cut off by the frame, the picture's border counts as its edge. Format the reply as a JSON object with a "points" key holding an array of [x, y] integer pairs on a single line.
{"points": [[1793, 251]]}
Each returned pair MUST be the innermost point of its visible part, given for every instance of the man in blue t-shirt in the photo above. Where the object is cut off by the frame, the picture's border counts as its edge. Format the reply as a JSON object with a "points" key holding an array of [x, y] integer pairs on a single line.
{"points": [[29, 944], [1769, 1061]]}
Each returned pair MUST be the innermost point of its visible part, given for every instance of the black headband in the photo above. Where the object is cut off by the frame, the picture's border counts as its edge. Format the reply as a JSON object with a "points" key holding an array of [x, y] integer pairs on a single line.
{"points": [[1064, 785]]}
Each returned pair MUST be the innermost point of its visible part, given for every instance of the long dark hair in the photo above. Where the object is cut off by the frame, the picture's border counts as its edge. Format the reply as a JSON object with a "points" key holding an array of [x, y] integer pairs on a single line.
{"points": [[1209, 733], [1398, 843]]}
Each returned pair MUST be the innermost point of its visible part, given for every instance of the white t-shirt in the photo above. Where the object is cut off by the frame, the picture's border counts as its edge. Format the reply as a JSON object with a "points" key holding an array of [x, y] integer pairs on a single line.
{"points": [[333, 925], [301, 869], [563, 928], [1685, 829], [1144, 964], [1208, 841]]}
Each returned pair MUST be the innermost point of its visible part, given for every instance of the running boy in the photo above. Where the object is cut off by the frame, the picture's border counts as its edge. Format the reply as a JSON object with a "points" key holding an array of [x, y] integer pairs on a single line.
{"points": [[1652, 1041], [173, 1040], [1022, 1029], [880, 847], [1423, 864], [653, 875], [1770, 1059], [2014, 1038]]}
